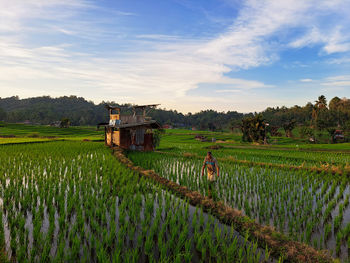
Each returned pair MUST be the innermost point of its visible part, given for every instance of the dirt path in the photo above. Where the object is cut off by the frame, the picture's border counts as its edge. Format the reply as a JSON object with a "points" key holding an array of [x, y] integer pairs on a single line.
{"points": [[279, 244]]}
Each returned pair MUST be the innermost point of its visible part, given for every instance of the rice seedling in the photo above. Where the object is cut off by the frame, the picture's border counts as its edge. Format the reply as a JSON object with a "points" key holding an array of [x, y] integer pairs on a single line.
{"points": [[82, 204], [304, 205]]}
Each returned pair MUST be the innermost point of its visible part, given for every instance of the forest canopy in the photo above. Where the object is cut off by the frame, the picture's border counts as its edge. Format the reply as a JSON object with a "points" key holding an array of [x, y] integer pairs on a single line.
{"points": [[45, 110]]}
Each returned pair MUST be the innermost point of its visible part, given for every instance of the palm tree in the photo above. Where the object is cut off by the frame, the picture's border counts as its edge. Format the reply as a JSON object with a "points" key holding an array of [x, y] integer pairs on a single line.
{"points": [[320, 104]]}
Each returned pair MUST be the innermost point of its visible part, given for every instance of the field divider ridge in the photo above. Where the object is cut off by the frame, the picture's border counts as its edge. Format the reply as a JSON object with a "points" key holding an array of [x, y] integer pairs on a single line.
{"points": [[32, 142], [274, 148], [279, 244]]}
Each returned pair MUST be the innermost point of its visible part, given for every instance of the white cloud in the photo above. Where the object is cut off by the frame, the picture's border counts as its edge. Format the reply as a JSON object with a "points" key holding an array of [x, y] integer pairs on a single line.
{"points": [[337, 81], [306, 80], [326, 24], [228, 91], [247, 43], [338, 85], [343, 60], [13, 13], [156, 68], [330, 81]]}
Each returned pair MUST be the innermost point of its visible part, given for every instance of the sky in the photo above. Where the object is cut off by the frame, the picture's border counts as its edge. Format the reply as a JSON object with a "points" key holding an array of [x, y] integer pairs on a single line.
{"points": [[226, 55]]}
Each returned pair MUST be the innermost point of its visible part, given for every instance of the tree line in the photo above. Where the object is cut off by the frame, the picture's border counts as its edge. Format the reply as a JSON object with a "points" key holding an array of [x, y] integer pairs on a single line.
{"points": [[317, 116], [46, 110], [314, 120]]}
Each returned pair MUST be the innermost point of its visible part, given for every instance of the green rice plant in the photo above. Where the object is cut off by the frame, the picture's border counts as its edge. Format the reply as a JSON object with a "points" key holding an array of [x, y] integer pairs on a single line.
{"points": [[337, 221], [327, 231], [149, 246], [339, 238], [60, 250], [283, 198], [101, 255], [75, 190], [163, 251], [117, 257], [13, 243], [45, 255]]}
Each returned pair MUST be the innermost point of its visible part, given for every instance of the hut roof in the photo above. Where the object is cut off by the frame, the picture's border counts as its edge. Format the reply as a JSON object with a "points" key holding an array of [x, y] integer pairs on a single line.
{"points": [[147, 124], [145, 106], [109, 107], [152, 124]]}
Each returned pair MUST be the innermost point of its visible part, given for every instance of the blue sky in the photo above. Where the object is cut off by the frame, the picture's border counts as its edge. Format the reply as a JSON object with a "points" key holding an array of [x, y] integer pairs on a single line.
{"points": [[186, 55]]}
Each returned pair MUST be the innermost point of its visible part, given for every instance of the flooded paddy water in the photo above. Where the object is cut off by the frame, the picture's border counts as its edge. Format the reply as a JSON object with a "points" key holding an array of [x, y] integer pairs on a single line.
{"points": [[77, 203], [308, 207]]}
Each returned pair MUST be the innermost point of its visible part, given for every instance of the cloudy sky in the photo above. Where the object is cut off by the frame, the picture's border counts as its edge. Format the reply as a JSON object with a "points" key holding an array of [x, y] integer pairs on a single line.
{"points": [[188, 55]]}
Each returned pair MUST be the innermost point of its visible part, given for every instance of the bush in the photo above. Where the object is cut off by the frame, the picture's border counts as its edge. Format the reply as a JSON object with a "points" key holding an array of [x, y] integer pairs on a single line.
{"points": [[306, 132], [65, 123], [346, 126], [288, 127], [157, 134], [254, 129]]}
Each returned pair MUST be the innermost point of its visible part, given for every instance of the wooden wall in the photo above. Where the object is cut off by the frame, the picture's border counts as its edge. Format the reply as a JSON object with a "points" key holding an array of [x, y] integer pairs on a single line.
{"points": [[125, 138]]}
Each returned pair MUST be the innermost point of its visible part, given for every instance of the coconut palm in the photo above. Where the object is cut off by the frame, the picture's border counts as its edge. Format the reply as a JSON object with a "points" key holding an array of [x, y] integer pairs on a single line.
{"points": [[320, 104]]}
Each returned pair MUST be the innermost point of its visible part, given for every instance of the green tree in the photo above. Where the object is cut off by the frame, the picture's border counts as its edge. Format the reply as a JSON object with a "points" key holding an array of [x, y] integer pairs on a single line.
{"points": [[2, 114], [274, 130], [234, 124], [334, 103], [346, 126], [307, 132], [331, 132], [254, 129], [65, 122], [288, 127], [320, 104], [211, 126], [325, 120], [335, 106]]}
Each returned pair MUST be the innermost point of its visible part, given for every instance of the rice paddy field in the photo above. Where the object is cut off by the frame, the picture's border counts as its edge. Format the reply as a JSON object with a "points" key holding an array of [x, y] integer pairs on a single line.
{"points": [[304, 204], [16, 133], [71, 200]]}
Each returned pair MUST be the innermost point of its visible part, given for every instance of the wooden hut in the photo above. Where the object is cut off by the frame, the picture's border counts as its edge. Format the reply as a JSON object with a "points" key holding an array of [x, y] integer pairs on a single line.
{"points": [[134, 132]]}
